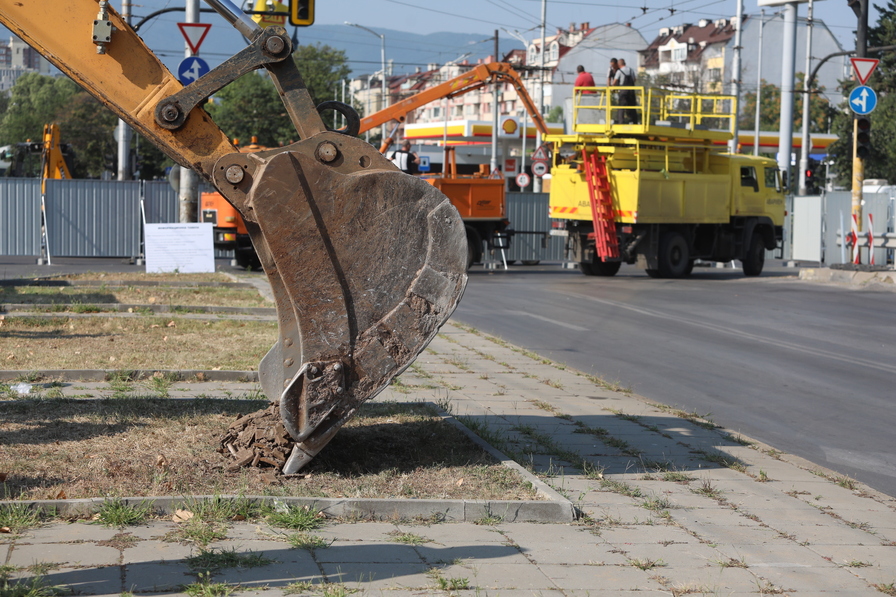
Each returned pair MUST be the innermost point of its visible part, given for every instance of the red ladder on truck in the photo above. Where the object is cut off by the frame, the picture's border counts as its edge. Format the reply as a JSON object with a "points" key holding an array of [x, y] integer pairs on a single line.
{"points": [[606, 243]]}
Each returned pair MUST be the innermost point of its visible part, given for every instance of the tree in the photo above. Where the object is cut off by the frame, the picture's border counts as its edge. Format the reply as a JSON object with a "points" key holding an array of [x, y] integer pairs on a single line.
{"points": [[882, 161], [555, 115], [821, 113], [251, 106], [89, 128], [35, 100]]}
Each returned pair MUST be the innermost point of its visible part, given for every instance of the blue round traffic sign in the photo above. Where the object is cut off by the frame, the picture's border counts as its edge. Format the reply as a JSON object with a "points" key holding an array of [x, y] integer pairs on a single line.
{"points": [[190, 69], [862, 100]]}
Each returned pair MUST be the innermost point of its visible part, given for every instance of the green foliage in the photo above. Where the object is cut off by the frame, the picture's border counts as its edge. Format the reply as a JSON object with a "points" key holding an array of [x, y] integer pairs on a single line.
{"points": [[555, 115], [882, 161], [35, 100], [821, 113], [116, 512], [90, 129], [251, 107], [299, 518]]}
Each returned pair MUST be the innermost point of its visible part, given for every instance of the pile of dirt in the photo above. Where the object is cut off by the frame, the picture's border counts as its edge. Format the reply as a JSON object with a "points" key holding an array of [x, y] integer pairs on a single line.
{"points": [[258, 439]]}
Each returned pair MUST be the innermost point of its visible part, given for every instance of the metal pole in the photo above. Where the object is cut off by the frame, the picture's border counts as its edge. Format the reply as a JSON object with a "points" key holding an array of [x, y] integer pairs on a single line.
{"points": [[758, 85], [523, 153], [493, 164], [383, 81], [188, 191], [536, 184], [123, 131], [785, 132], [804, 151], [860, 7], [735, 73]]}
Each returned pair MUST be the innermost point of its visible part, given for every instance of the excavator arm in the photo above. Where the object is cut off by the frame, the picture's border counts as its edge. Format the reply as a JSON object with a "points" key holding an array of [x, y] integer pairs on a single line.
{"points": [[479, 76], [365, 262]]}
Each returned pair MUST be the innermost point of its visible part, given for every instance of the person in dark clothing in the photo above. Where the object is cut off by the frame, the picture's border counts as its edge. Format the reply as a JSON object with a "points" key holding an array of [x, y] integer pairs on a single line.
{"points": [[611, 74], [625, 77], [405, 159]]}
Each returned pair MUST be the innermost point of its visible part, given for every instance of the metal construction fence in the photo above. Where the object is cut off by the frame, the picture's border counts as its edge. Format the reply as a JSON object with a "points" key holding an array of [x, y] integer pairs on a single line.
{"points": [[99, 218]]}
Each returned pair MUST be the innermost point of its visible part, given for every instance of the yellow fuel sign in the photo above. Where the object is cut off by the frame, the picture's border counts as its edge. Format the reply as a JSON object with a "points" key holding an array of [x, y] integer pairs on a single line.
{"points": [[265, 21]]}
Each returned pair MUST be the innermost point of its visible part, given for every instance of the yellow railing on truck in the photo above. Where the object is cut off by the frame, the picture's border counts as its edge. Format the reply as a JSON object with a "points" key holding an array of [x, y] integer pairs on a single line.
{"points": [[620, 111]]}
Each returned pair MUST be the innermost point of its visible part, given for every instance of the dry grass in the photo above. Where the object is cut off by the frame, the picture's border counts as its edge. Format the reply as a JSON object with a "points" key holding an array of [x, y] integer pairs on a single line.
{"points": [[145, 446], [55, 297], [142, 276], [35, 343]]}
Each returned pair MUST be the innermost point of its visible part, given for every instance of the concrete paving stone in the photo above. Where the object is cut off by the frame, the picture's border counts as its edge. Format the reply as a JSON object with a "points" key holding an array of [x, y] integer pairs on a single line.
{"points": [[830, 535], [67, 533], [788, 556], [73, 554], [702, 517], [600, 580], [455, 533], [486, 554], [86, 581], [271, 549], [809, 580], [378, 553], [155, 577], [377, 577], [156, 551], [561, 544], [274, 575], [252, 530], [646, 535], [876, 575], [491, 576], [874, 555], [678, 555], [619, 515], [152, 530], [599, 498], [708, 580], [361, 531]]}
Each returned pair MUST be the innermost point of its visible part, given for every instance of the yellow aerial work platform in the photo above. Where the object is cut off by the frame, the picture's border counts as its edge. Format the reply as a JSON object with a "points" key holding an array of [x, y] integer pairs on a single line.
{"points": [[661, 162]]}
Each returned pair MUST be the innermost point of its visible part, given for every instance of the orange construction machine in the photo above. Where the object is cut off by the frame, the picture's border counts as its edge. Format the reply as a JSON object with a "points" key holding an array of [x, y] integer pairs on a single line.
{"points": [[479, 199]]}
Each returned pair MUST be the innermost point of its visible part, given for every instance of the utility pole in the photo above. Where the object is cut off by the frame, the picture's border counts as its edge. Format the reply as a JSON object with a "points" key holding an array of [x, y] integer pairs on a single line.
{"points": [[860, 8], [188, 190], [123, 132], [735, 78], [536, 183], [493, 164], [785, 131], [758, 84], [804, 151]]}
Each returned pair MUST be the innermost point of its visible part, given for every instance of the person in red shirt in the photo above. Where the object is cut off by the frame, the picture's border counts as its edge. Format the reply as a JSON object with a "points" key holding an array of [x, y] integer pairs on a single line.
{"points": [[583, 79]]}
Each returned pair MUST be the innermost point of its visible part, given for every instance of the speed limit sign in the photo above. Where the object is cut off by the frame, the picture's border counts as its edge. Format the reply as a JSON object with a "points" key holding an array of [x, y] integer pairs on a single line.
{"points": [[522, 180], [539, 169]]}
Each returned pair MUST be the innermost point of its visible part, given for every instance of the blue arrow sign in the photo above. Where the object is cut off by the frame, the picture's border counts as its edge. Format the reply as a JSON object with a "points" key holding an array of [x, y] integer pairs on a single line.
{"points": [[862, 100], [190, 69]]}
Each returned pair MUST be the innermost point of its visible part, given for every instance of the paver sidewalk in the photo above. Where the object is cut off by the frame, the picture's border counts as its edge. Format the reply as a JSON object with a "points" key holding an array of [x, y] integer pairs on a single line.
{"points": [[669, 505]]}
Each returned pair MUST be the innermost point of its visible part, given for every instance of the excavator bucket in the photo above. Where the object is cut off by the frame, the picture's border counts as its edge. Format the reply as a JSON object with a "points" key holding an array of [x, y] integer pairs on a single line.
{"points": [[365, 263]]}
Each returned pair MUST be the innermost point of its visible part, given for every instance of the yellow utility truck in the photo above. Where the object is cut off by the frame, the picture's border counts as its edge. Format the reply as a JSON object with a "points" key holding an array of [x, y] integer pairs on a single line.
{"points": [[644, 178]]}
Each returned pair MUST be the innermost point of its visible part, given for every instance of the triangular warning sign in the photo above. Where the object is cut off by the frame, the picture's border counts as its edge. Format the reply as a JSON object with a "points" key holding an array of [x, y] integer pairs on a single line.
{"points": [[863, 68], [195, 34], [540, 154]]}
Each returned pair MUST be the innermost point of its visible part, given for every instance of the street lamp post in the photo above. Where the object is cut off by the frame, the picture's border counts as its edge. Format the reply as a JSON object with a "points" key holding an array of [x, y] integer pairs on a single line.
{"points": [[383, 64]]}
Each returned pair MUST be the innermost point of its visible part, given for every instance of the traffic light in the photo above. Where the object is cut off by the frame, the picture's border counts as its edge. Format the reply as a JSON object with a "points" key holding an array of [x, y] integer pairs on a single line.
{"points": [[863, 137], [812, 177], [301, 13]]}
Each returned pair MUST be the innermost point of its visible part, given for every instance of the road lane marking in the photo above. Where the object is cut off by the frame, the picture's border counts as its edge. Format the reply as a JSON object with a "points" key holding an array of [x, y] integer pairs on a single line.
{"points": [[570, 326]]}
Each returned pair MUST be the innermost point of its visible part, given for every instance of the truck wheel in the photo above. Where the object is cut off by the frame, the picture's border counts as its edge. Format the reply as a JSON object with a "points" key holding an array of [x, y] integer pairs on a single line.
{"points": [[674, 258], [755, 256], [586, 268], [606, 268], [474, 247]]}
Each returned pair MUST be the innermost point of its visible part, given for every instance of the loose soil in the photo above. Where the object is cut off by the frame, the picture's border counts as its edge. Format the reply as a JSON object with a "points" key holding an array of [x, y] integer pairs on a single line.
{"points": [[55, 448]]}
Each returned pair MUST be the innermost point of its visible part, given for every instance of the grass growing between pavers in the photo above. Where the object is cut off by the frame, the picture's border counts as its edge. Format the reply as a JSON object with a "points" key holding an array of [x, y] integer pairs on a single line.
{"points": [[30, 587], [40, 343], [155, 447]]}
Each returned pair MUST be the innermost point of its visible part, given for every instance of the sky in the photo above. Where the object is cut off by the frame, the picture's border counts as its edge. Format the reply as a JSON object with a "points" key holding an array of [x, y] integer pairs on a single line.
{"points": [[479, 18]]}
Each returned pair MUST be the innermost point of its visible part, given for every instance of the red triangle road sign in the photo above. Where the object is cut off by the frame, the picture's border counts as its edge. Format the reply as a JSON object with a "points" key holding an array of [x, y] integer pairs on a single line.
{"points": [[195, 34], [863, 68], [540, 154]]}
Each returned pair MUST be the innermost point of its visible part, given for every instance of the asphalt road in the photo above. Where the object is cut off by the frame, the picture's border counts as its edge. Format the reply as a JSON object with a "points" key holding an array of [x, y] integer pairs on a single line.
{"points": [[807, 368]]}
